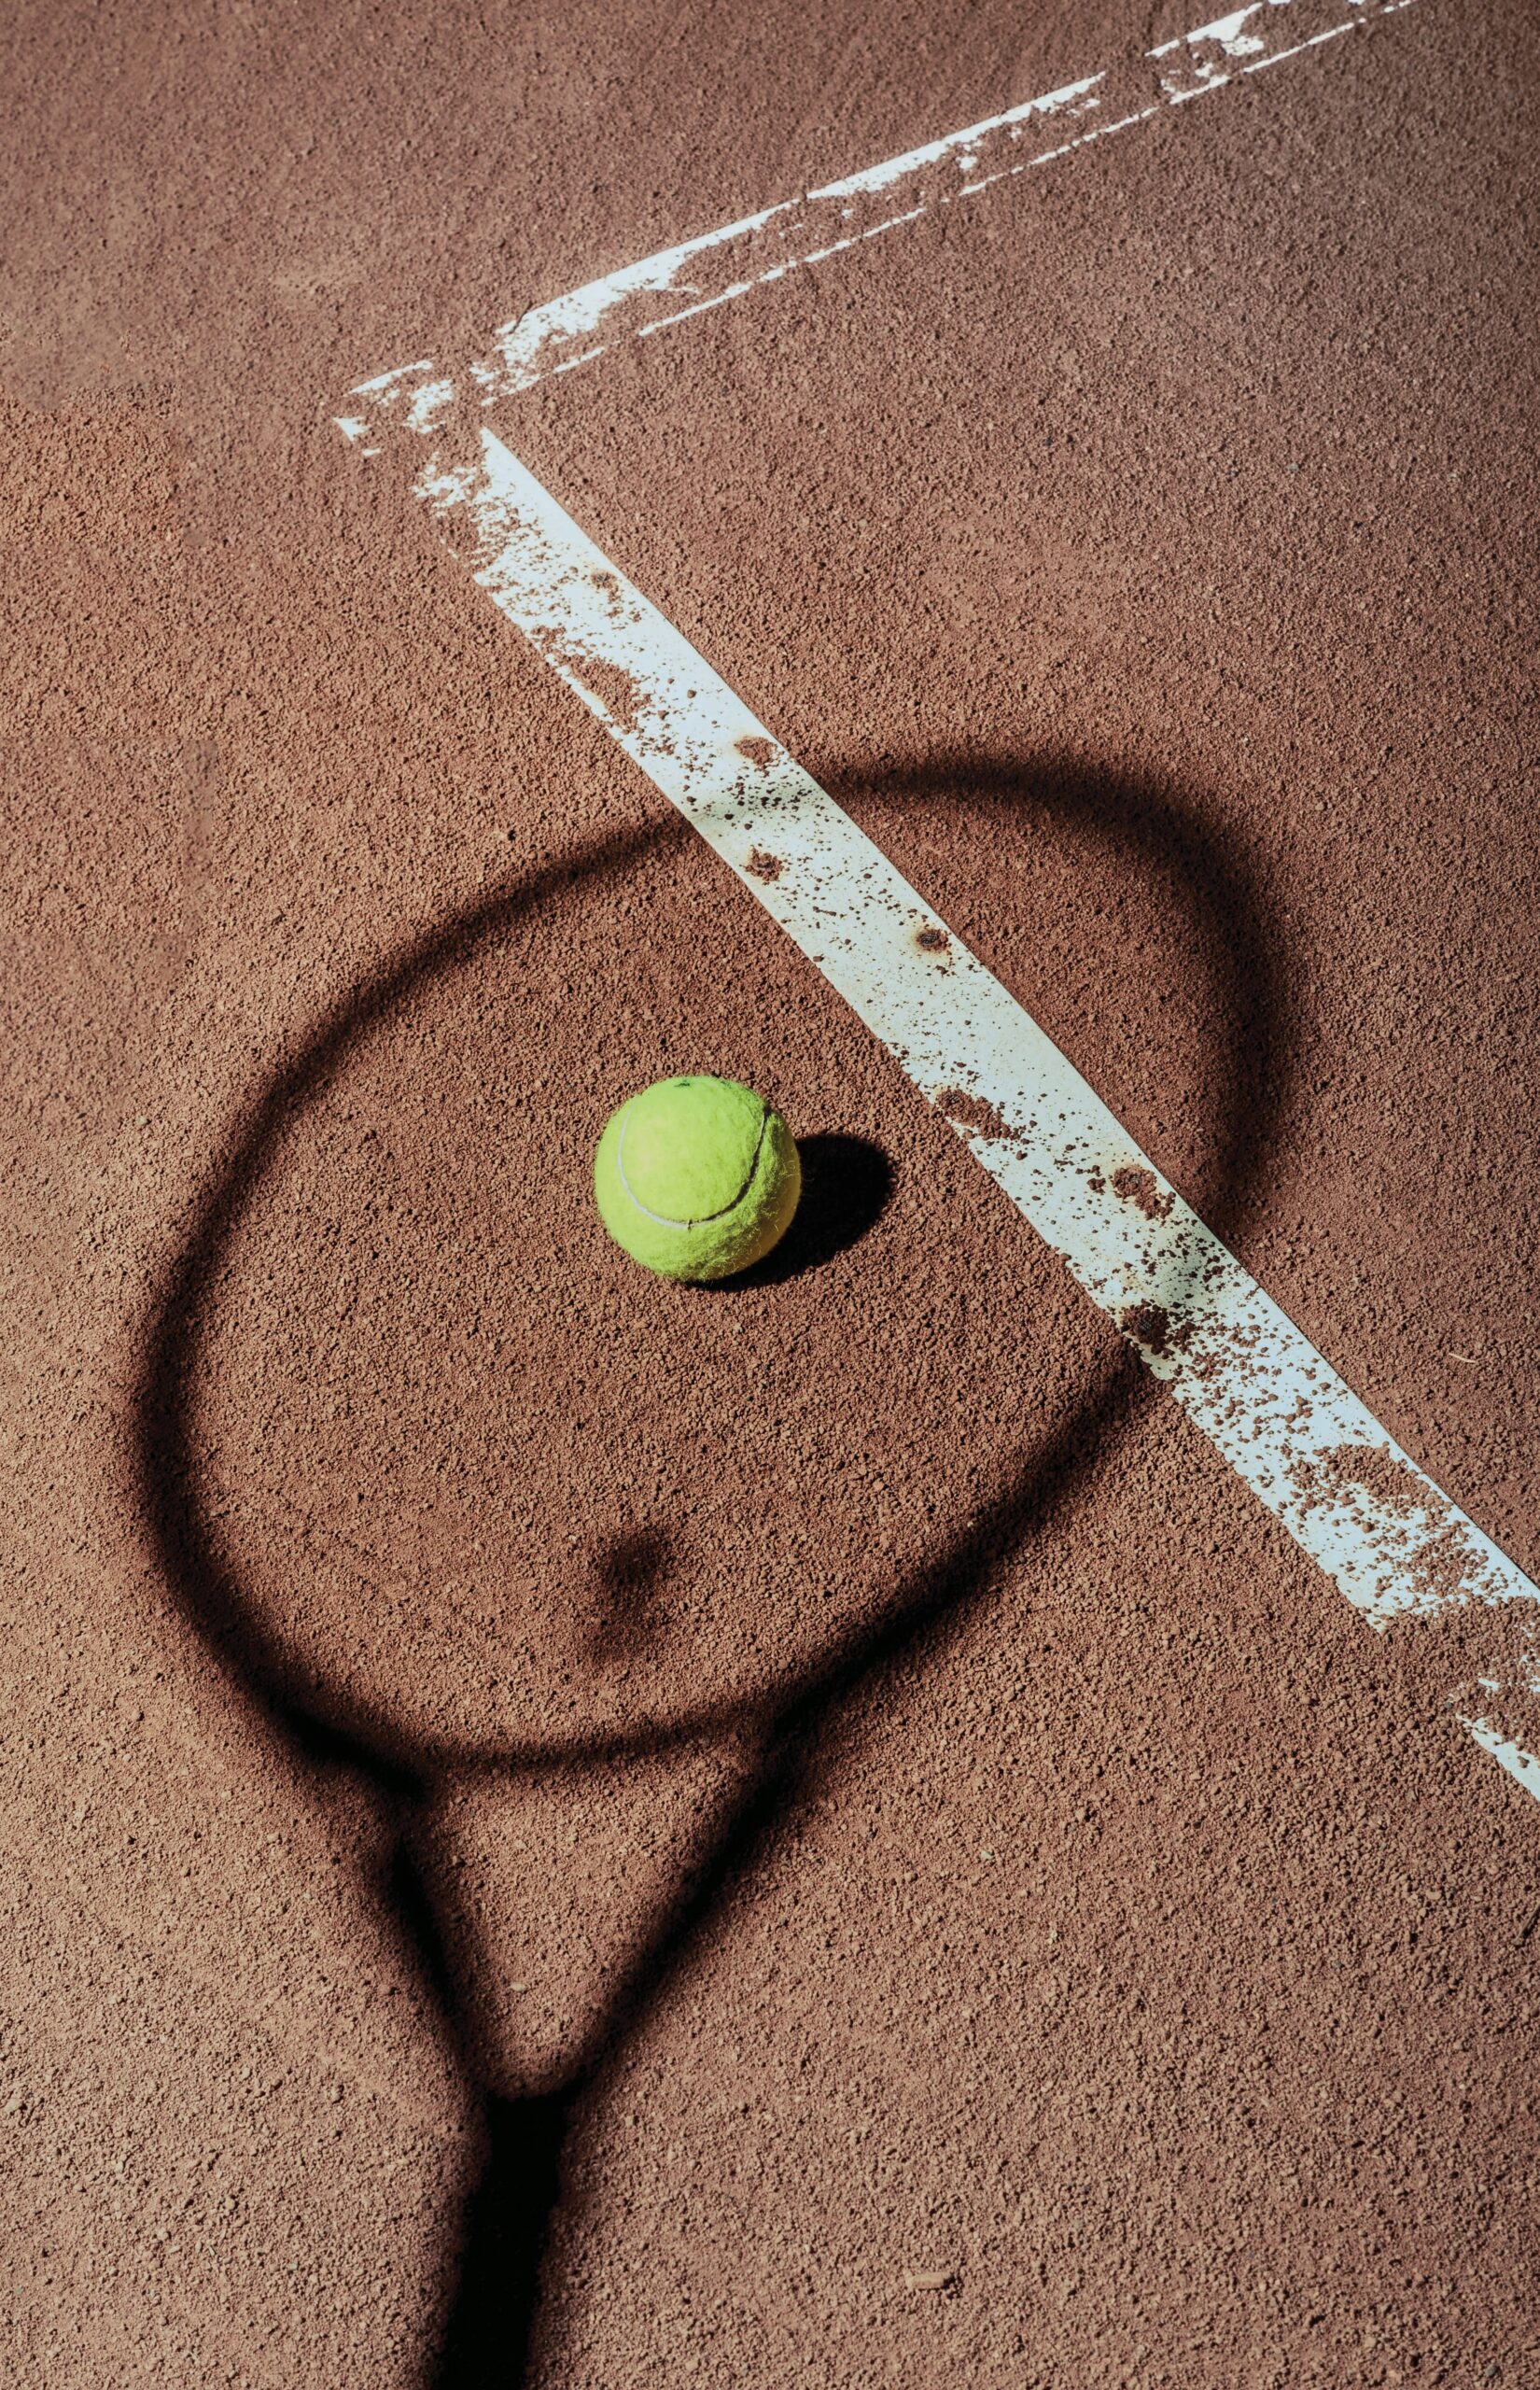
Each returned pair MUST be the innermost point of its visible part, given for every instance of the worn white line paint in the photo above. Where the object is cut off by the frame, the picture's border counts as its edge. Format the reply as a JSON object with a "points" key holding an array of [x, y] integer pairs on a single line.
{"points": [[1349, 1495], [694, 275], [1521, 1765], [1380, 1529]]}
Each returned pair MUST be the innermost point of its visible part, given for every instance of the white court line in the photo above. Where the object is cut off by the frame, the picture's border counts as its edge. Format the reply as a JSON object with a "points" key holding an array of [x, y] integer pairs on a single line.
{"points": [[695, 275], [1266, 1399], [1386, 1536]]}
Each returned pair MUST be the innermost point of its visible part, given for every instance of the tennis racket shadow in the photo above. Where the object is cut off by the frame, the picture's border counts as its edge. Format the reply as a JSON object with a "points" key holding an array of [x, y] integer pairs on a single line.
{"points": [[493, 2300]]}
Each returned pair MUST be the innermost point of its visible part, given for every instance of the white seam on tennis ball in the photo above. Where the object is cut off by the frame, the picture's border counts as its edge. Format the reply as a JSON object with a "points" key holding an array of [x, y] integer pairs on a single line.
{"points": [[707, 1218], [1270, 1404]]}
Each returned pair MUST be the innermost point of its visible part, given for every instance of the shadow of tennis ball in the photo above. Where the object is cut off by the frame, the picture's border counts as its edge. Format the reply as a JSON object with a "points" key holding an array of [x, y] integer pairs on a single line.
{"points": [[487, 1489]]}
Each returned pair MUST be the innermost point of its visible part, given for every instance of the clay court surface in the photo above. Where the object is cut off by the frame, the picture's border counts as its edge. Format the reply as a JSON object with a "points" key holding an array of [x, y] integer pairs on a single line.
{"points": [[564, 1830]]}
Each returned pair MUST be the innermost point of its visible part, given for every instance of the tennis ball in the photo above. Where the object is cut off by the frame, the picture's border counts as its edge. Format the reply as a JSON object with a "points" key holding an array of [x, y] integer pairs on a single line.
{"points": [[696, 1177]]}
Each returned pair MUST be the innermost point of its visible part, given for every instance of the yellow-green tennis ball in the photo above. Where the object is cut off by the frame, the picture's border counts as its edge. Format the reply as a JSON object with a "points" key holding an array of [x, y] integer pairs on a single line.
{"points": [[696, 1177]]}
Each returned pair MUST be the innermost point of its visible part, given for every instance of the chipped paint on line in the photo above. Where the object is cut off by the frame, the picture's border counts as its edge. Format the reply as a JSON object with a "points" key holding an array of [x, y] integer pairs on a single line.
{"points": [[677, 283], [1275, 1410]]}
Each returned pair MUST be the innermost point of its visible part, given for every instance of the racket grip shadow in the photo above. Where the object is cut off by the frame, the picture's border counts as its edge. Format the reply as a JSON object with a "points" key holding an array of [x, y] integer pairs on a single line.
{"points": [[488, 2337]]}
